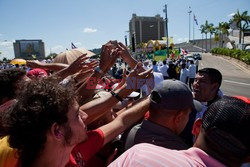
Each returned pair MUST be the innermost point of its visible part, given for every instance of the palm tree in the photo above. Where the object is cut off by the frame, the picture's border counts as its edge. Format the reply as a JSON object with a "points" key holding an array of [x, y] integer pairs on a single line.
{"points": [[217, 35], [223, 30], [238, 18], [206, 27], [211, 30], [202, 29], [245, 27]]}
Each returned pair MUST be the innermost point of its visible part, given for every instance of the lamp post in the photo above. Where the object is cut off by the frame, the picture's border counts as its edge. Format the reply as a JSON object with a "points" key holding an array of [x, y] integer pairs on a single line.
{"points": [[166, 12], [126, 40], [189, 12]]}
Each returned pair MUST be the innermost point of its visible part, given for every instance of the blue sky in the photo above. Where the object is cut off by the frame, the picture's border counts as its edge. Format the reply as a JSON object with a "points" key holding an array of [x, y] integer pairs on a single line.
{"points": [[89, 24]]}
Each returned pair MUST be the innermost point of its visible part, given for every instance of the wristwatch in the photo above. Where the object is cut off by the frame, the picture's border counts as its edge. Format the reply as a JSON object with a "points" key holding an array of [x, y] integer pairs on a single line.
{"points": [[116, 96], [99, 70]]}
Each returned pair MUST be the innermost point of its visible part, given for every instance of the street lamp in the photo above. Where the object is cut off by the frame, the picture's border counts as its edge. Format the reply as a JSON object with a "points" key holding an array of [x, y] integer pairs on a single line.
{"points": [[189, 12], [126, 40], [166, 12]]}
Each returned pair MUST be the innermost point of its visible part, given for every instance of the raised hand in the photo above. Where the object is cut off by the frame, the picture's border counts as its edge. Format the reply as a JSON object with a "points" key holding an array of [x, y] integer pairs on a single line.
{"points": [[108, 56], [138, 77], [123, 52], [78, 64], [81, 76]]}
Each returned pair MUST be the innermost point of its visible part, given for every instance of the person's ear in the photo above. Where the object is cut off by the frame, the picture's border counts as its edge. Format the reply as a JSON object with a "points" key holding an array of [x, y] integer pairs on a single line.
{"points": [[196, 127], [56, 132], [215, 87], [178, 117]]}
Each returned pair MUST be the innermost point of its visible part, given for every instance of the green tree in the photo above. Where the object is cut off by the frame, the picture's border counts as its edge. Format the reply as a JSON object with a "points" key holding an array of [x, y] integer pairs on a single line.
{"points": [[217, 36], [238, 18], [205, 27], [211, 30], [51, 56], [5, 59], [245, 27], [223, 30], [202, 29]]}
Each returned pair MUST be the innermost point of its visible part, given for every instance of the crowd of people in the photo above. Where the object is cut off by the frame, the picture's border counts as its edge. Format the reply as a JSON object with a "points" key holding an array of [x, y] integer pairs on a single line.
{"points": [[143, 116]]}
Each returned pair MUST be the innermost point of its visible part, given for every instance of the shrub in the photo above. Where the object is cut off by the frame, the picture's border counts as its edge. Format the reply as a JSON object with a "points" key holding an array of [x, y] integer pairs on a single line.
{"points": [[235, 53]]}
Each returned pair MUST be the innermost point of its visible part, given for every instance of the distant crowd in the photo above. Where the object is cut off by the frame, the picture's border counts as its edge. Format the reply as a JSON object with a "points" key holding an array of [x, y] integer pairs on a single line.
{"points": [[118, 111]]}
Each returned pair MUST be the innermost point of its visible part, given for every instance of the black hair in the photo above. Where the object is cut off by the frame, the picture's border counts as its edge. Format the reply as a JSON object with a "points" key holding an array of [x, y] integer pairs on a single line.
{"points": [[214, 75], [40, 104], [8, 81]]}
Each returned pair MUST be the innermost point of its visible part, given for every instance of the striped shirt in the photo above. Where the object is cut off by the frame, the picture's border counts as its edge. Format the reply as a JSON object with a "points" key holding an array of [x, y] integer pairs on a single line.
{"points": [[147, 155]]}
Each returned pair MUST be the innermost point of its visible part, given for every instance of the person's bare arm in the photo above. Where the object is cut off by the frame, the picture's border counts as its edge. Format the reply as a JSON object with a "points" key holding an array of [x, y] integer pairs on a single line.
{"points": [[125, 55], [49, 66], [124, 120], [108, 58], [80, 64], [100, 106]]}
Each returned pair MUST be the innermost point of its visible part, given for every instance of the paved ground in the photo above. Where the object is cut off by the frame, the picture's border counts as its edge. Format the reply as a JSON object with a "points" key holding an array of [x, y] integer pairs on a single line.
{"points": [[236, 75]]}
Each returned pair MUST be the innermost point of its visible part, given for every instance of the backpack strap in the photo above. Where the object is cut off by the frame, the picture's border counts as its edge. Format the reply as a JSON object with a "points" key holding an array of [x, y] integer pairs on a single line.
{"points": [[131, 137]]}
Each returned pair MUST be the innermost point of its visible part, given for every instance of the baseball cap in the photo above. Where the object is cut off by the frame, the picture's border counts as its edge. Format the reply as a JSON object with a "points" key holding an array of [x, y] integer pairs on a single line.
{"points": [[227, 122], [173, 95]]}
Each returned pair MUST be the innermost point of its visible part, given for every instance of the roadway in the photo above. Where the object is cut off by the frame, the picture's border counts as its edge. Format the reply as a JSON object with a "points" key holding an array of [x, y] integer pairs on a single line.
{"points": [[236, 78]]}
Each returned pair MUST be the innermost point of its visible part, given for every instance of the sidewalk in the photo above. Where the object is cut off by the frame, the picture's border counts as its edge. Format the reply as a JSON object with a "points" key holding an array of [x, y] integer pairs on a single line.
{"points": [[233, 60]]}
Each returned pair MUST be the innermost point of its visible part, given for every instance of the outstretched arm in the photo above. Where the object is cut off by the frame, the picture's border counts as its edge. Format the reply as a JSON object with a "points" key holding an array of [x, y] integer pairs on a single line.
{"points": [[124, 120], [100, 106], [108, 58], [125, 55], [49, 66]]}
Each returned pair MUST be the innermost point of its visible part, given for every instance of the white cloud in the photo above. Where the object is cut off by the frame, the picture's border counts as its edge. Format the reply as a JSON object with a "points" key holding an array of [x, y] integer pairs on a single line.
{"points": [[6, 44], [78, 44], [231, 15], [57, 48], [89, 30], [179, 40]]}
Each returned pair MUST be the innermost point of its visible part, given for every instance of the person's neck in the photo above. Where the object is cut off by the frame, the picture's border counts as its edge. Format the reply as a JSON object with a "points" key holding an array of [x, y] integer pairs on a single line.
{"points": [[166, 123], [53, 156], [216, 152]]}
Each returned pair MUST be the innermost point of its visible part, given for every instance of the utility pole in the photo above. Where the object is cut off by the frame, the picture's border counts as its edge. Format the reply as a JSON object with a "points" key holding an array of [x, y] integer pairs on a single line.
{"points": [[193, 27], [166, 12], [126, 40], [189, 12]]}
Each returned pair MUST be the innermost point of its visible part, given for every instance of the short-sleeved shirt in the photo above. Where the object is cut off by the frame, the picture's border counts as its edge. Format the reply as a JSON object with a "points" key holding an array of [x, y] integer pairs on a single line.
{"points": [[150, 155], [8, 155], [156, 134], [84, 151]]}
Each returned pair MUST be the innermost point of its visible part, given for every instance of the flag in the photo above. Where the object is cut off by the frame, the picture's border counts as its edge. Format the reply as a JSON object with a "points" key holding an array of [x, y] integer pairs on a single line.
{"points": [[73, 46], [195, 20]]}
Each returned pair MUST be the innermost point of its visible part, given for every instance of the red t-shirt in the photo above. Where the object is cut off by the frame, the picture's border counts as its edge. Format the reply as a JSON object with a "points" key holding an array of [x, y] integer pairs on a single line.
{"points": [[84, 151]]}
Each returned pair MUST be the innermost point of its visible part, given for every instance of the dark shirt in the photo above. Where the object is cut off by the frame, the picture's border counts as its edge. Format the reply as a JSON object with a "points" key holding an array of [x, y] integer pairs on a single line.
{"points": [[153, 133]]}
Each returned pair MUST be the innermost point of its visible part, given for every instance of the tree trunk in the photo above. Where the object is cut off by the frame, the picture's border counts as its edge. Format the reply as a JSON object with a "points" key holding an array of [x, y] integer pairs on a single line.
{"points": [[210, 42], [240, 36], [222, 37], [206, 42], [243, 38], [202, 42]]}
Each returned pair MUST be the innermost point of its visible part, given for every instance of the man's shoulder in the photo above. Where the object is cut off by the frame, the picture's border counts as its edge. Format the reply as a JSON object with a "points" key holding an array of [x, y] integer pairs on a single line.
{"points": [[145, 154]]}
